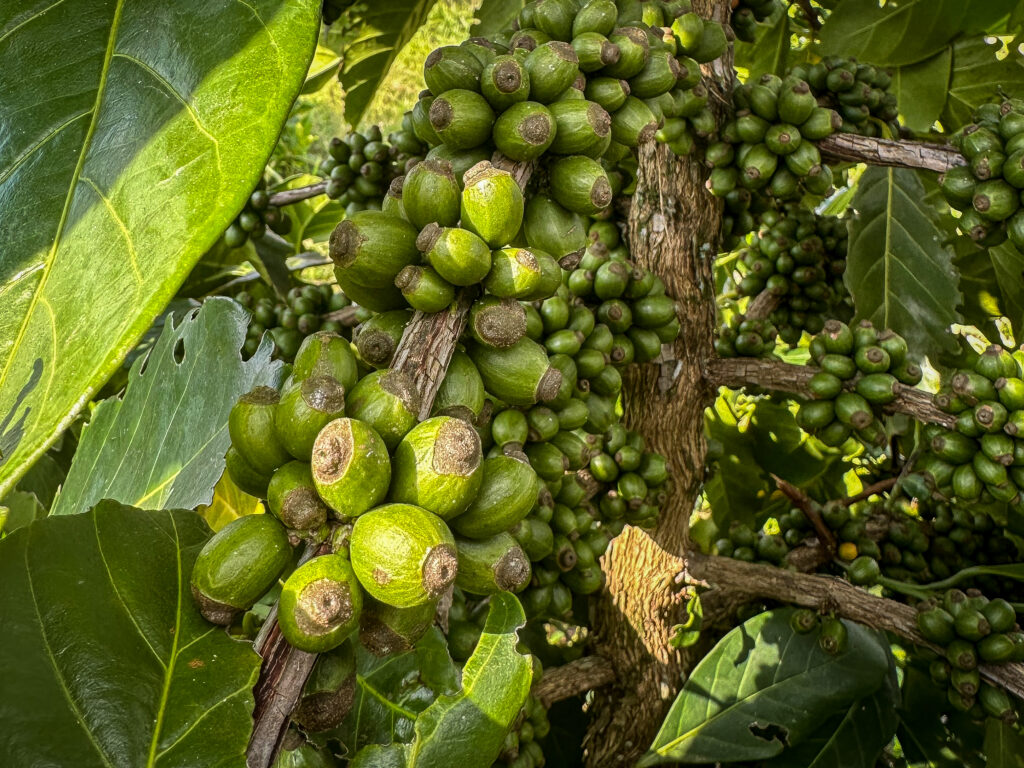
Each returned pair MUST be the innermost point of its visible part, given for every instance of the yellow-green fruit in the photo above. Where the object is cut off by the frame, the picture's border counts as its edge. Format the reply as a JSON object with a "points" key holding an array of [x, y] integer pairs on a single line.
{"points": [[492, 204], [238, 565], [251, 427], [497, 564], [326, 354], [306, 407], [293, 499], [437, 466], [403, 555], [387, 401], [507, 493], [351, 467], [320, 604], [458, 255]]}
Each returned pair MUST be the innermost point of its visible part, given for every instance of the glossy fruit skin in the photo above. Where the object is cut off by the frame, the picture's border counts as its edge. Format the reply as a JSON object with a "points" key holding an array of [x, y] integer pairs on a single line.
{"points": [[492, 205], [251, 426], [403, 555], [238, 565], [492, 565], [386, 400], [519, 374], [462, 118], [244, 475], [430, 193], [292, 497], [385, 630], [350, 466], [306, 407], [524, 131], [438, 466], [507, 493], [326, 354], [320, 604], [369, 249]]}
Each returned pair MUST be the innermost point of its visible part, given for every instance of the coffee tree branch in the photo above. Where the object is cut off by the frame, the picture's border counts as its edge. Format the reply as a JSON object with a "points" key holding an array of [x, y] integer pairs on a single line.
{"points": [[898, 154], [792, 379], [829, 594], [297, 195]]}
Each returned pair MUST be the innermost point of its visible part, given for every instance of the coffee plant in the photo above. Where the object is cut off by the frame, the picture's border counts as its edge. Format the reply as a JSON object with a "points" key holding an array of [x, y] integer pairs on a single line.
{"points": [[646, 389]]}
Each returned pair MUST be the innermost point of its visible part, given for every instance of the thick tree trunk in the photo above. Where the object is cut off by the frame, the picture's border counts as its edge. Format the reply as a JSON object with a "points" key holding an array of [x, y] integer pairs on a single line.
{"points": [[674, 227]]}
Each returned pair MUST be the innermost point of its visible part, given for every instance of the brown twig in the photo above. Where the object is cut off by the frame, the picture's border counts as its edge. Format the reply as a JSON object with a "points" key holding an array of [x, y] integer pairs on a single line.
{"points": [[297, 195], [784, 377], [762, 305], [806, 504], [347, 316], [899, 154], [755, 581], [572, 679]]}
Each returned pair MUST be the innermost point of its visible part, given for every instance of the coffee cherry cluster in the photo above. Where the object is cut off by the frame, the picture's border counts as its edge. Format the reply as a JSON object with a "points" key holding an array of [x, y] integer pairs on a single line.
{"points": [[987, 190], [747, 14], [305, 310], [982, 458], [362, 165], [256, 217], [741, 337], [972, 630], [832, 633], [860, 370], [798, 258]]}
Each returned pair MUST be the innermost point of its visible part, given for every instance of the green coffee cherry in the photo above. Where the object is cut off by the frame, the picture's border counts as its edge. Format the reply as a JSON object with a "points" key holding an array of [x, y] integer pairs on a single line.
{"points": [[293, 498], [351, 468], [306, 407], [492, 565], [388, 402], [251, 426], [238, 565], [492, 204], [320, 604], [437, 466], [403, 555], [385, 629]]}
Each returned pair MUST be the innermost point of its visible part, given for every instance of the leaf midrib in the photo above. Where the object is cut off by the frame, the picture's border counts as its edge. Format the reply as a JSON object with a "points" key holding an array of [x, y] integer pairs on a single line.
{"points": [[76, 175]]}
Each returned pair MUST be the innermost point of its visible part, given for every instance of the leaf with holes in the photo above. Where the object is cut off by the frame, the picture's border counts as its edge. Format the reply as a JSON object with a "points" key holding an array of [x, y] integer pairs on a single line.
{"points": [[905, 31], [981, 72], [468, 727], [770, 49], [141, 129], [921, 89], [763, 687], [106, 660], [853, 738], [495, 16], [163, 443], [371, 35], [898, 267]]}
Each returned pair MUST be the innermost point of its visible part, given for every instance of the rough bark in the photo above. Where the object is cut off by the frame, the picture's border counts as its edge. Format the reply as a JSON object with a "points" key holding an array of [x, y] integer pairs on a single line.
{"points": [[900, 154], [584, 674], [739, 372], [829, 593], [674, 227]]}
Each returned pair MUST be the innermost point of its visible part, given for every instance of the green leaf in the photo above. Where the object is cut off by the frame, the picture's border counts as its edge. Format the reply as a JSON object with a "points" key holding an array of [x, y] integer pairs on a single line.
{"points": [[924, 727], [390, 693], [764, 687], [992, 282], [323, 69], [138, 139], [229, 503], [1004, 745], [106, 659], [217, 267], [18, 509], [770, 49], [980, 75], [898, 267], [163, 443], [495, 16], [373, 34], [921, 89], [468, 728], [435, 664], [853, 738], [903, 31]]}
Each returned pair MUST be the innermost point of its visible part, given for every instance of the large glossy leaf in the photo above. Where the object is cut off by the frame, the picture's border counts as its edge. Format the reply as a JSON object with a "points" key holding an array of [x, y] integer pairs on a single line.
{"points": [[391, 692], [1004, 746], [106, 660], [853, 738], [981, 72], [229, 503], [922, 88], [763, 687], [992, 284], [133, 132], [929, 735], [770, 49], [495, 16], [163, 443], [468, 727], [898, 268], [903, 31], [372, 33]]}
